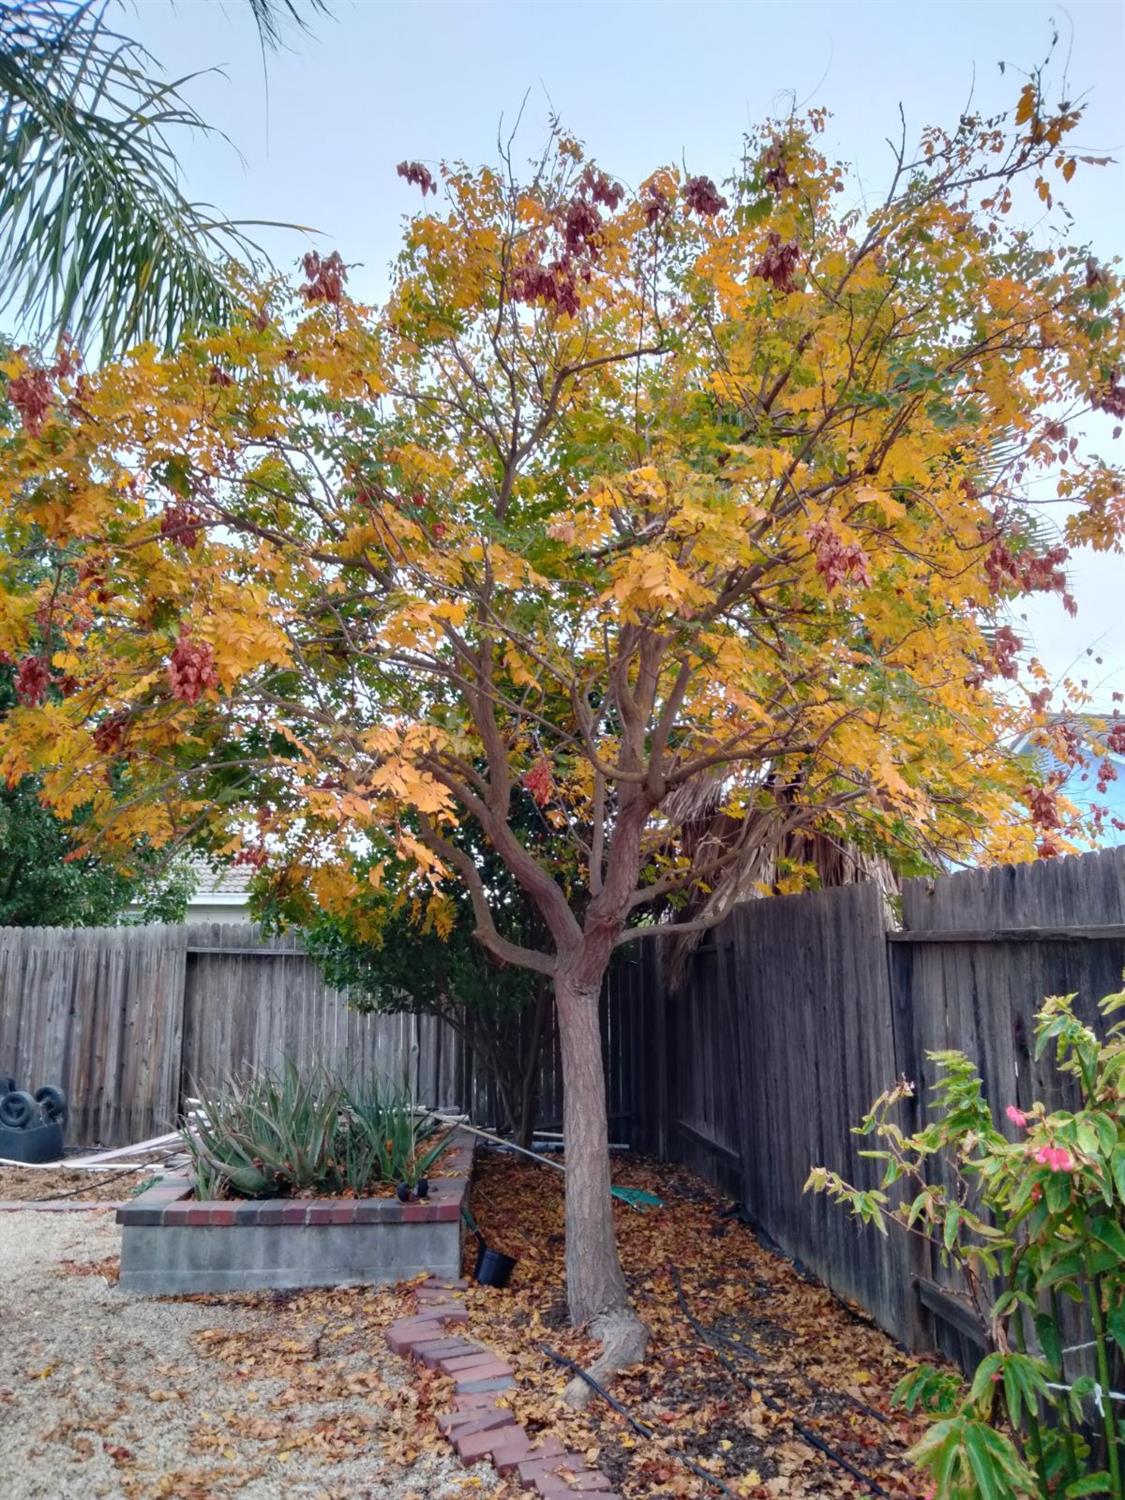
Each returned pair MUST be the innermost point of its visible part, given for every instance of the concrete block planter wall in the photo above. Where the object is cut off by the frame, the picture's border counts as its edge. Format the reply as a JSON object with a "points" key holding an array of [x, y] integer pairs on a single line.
{"points": [[170, 1242]]}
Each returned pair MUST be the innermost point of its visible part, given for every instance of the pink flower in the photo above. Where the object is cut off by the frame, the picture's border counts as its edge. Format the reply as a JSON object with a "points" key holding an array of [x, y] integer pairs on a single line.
{"points": [[1017, 1116], [1058, 1158]]}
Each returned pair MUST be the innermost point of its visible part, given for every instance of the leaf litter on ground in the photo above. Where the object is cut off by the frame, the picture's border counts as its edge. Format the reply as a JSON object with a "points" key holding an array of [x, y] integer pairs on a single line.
{"points": [[804, 1356]]}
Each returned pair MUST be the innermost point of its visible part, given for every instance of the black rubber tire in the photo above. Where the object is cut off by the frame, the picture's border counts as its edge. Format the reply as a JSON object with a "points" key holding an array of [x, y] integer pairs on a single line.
{"points": [[18, 1111], [52, 1101]]}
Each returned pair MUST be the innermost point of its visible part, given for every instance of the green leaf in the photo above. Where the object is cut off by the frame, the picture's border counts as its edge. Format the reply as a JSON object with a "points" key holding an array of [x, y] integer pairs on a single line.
{"points": [[991, 1365], [1093, 1484], [1046, 1331], [1117, 1167], [949, 1233], [1110, 1234], [982, 1461], [1013, 1395]]}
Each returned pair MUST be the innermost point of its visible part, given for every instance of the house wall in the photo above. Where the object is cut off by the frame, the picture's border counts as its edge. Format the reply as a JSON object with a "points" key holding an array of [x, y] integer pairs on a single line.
{"points": [[215, 911]]}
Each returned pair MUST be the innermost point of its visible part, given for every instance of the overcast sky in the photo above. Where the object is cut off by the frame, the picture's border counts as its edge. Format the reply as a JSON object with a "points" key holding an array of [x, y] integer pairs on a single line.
{"points": [[321, 125]]}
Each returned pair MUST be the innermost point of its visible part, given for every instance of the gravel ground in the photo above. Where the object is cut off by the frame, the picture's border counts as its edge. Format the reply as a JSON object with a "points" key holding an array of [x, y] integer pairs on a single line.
{"points": [[105, 1394]]}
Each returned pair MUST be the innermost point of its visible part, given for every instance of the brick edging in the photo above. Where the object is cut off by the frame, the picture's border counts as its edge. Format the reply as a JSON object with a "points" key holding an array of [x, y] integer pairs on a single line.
{"points": [[480, 1425]]}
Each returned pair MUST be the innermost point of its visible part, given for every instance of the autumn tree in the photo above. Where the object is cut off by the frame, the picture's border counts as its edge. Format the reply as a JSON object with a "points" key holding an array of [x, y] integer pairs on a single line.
{"points": [[45, 879], [626, 499]]}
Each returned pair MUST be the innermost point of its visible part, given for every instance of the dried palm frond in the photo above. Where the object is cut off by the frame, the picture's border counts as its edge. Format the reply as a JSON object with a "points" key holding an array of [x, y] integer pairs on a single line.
{"points": [[748, 855]]}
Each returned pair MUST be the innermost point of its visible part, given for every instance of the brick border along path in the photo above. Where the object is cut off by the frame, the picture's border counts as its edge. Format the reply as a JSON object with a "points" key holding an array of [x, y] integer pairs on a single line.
{"points": [[479, 1426]]}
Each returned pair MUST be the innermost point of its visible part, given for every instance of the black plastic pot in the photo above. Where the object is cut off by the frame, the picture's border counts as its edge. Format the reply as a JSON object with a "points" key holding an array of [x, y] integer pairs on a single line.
{"points": [[39, 1143], [493, 1268]]}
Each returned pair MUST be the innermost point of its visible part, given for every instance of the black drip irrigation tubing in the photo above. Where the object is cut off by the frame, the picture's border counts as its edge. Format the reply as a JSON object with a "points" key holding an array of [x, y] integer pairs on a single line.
{"points": [[813, 1439], [744, 1351], [634, 1422], [77, 1192]]}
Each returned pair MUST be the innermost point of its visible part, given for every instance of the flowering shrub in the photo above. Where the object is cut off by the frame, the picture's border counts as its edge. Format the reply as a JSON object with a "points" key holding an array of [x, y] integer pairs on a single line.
{"points": [[1028, 1225]]}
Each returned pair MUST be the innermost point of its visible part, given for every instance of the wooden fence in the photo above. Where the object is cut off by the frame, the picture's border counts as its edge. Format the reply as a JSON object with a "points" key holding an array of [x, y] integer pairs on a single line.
{"points": [[131, 1021], [802, 1009], [793, 1016]]}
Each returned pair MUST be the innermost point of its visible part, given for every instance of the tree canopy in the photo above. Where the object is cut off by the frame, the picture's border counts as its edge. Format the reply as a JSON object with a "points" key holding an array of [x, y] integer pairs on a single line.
{"points": [[627, 501], [47, 881]]}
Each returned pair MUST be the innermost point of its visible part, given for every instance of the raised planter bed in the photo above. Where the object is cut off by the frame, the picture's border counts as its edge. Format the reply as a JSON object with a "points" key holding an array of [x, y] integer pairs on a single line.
{"points": [[171, 1242]]}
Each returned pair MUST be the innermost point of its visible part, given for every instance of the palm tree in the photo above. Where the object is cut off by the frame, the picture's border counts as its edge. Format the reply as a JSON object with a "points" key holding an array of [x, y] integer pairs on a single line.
{"points": [[97, 238]]}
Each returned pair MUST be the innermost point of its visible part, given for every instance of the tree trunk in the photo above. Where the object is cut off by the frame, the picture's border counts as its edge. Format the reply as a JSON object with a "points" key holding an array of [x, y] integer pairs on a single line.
{"points": [[532, 1065], [594, 1280], [595, 1283]]}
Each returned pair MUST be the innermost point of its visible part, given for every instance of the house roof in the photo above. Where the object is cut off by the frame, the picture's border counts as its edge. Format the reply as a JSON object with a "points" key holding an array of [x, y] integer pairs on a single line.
{"points": [[227, 883]]}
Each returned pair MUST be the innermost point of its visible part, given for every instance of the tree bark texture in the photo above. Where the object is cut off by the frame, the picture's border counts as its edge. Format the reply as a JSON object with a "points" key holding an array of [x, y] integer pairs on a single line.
{"points": [[594, 1279]]}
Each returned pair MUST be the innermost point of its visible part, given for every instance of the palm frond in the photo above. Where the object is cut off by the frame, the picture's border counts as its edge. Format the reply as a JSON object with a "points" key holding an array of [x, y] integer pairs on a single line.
{"points": [[271, 17], [96, 235]]}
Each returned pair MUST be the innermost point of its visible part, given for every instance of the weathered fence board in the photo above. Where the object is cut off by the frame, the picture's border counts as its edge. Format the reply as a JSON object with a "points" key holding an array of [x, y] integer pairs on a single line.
{"points": [[258, 1004], [100, 1012], [829, 1007], [815, 1044], [980, 994]]}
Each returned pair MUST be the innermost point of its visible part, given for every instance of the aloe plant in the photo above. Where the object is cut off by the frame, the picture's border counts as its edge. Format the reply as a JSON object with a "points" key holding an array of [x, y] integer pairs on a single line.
{"points": [[397, 1133], [271, 1133]]}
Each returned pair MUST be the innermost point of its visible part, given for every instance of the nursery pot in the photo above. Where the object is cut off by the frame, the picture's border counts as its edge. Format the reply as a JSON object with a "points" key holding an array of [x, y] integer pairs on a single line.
{"points": [[38, 1143], [493, 1268]]}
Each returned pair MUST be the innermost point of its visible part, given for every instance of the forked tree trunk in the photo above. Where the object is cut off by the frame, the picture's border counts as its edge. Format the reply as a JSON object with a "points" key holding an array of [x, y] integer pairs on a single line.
{"points": [[596, 1291]]}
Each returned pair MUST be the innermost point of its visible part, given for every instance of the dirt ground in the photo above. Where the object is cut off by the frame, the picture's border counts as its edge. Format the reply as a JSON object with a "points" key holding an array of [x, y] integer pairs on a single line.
{"points": [[63, 1184], [754, 1369]]}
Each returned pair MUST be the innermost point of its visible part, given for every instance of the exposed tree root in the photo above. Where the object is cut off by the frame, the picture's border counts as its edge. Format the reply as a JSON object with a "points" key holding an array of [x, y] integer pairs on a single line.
{"points": [[624, 1339]]}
